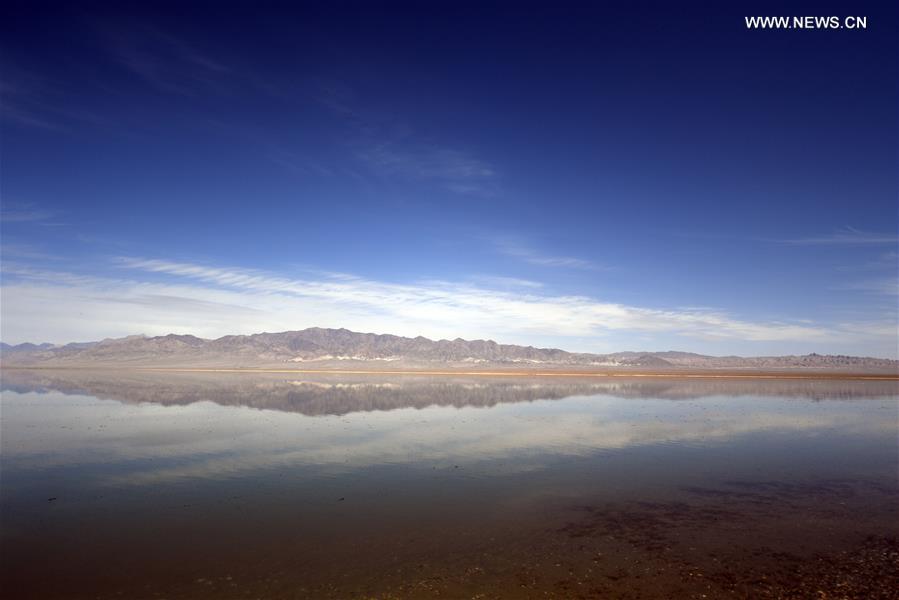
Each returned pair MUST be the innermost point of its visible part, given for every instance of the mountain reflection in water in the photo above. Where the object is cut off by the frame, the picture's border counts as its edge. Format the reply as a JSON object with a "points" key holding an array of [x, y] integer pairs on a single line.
{"points": [[233, 485], [337, 394]]}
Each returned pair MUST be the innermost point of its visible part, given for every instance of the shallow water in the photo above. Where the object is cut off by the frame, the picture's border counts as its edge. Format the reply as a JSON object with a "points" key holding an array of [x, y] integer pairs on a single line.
{"points": [[148, 485]]}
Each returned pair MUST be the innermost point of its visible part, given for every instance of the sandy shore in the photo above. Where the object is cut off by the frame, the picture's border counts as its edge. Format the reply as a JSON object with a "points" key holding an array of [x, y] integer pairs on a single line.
{"points": [[659, 374]]}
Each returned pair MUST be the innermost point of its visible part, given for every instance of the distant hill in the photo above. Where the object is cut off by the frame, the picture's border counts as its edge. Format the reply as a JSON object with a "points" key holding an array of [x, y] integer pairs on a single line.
{"points": [[330, 348], [26, 347]]}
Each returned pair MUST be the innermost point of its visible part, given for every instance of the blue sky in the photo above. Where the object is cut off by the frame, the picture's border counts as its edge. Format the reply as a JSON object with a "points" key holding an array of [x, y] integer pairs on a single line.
{"points": [[594, 179]]}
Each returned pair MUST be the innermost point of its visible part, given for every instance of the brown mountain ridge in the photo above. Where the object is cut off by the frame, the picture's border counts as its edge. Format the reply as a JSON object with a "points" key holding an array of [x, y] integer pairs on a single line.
{"points": [[340, 348]]}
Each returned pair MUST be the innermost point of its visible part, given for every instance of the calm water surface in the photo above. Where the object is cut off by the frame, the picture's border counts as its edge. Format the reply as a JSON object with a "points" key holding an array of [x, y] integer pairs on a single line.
{"points": [[141, 485]]}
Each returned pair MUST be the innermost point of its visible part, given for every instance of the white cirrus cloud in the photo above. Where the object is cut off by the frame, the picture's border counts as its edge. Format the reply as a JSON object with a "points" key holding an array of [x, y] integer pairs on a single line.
{"points": [[519, 250], [434, 307], [887, 286], [453, 169], [156, 297], [24, 213], [848, 236]]}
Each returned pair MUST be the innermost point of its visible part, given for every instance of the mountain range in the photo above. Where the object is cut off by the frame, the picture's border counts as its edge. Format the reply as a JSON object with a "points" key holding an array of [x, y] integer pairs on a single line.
{"points": [[316, 347]]}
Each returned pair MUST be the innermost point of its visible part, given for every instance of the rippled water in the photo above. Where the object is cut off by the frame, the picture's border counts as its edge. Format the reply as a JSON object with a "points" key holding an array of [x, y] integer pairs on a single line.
{"points": [[152, 485]]}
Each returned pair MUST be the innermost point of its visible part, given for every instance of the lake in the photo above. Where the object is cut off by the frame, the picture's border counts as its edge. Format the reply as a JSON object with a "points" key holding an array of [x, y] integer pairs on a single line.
{"points": [[246, 485]]}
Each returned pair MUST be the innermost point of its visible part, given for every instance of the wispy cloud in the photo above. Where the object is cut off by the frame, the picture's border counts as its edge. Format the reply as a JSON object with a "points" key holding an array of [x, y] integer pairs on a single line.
{"points": [[506, 282], [18, 101], [25, 251], [28, 100], [300, 164], [848, 236], [517, 249], [20, 216], [886, 260], [162, 60], [34, 300], [452, 169], [390, 149], [21, 116], [888, 286], [24, 213], [339, 99], [448, 307], [879, 272]]}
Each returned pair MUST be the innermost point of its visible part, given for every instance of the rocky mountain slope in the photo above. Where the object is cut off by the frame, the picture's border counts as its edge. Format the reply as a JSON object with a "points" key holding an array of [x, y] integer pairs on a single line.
{"points": [[316, 347]]}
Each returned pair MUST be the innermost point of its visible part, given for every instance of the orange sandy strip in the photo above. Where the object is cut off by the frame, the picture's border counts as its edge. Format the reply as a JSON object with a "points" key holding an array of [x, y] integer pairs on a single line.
{"points": [[660, 375]]}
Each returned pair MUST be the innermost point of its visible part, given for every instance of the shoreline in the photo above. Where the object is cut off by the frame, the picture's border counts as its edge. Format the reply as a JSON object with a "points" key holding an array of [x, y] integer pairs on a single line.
{"points": [[684, 374]]}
